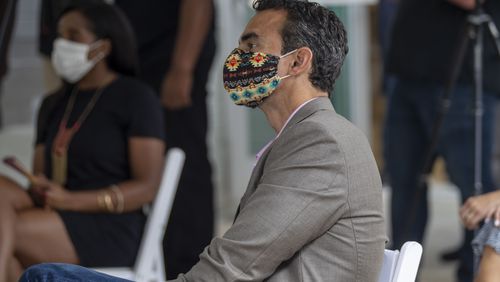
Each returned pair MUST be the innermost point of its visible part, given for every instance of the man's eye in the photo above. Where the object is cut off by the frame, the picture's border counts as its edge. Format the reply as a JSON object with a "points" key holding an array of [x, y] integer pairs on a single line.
{"points": [[251, 46]]}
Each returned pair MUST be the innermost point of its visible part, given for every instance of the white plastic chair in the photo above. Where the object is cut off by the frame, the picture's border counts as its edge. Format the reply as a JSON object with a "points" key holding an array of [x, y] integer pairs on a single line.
{"points": [[401, 266], [149, 262]]}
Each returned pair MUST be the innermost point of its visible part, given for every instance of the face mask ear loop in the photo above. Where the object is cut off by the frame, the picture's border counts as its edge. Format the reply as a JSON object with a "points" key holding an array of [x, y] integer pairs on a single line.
{"points": [[289, 53], [94, 44], [99, 56]]}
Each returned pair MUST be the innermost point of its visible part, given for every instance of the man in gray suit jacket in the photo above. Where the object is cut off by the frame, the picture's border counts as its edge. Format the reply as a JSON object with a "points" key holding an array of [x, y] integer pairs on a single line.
{"points": [[312, 210]]}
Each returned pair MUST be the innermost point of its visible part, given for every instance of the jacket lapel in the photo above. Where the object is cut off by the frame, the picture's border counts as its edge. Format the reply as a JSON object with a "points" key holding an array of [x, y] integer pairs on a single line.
{"points": [[318, 104], [256, 175], [321, 103]]}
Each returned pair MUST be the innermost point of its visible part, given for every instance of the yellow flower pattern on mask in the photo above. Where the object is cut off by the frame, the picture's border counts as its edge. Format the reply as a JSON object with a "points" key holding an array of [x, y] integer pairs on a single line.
{"points": [[250, 77], [258, 59], [233, 62]]}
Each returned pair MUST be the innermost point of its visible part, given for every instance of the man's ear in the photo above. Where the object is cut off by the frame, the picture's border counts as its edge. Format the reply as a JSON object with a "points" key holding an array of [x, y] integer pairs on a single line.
{"points": [[302, 61]]}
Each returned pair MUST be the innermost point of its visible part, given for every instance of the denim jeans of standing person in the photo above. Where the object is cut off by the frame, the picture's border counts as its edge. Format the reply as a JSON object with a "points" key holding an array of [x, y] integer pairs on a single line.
{"points": [[413, 108], [60, 272], [387, 12]]}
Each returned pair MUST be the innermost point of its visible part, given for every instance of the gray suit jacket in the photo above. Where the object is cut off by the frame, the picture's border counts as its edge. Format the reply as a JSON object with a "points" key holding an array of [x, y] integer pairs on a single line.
{"points": [[312, 210]]}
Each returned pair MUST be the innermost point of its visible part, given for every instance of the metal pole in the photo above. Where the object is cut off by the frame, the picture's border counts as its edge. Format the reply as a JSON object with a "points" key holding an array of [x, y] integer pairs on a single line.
{"points": [[478, 106]]}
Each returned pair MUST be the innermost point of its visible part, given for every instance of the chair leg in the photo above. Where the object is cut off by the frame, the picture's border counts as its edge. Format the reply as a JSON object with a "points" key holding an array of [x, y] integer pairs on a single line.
{"points": [[160, 266]]}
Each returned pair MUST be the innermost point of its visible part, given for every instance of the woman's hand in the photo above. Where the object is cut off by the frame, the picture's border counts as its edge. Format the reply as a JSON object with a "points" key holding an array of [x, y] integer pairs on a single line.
{"points": [[38, 186], [480, 207], [56, 196], [465, 4]]}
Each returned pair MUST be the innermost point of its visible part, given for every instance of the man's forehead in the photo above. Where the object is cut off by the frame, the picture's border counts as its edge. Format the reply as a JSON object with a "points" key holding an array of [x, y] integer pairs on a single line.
{"points": [[264, 23]]}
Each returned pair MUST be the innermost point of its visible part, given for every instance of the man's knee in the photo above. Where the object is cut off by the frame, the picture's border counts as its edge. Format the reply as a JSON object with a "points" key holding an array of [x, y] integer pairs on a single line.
{"points": [[61, 272], [41, 273]]}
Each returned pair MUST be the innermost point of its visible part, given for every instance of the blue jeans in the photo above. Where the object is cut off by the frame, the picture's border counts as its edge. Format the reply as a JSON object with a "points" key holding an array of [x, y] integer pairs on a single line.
{"points": [[413, 107], [60, 272], [387, 13]]}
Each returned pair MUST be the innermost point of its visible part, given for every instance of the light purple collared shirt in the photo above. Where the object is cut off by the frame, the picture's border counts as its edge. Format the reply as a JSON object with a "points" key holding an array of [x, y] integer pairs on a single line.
{"points": [[259, 154]]}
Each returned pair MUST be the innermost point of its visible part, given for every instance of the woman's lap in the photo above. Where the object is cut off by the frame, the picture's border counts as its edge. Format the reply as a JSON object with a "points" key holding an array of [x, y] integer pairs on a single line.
{"points": [[46, 235], [14, 194], [41, 236], [105, 240]]}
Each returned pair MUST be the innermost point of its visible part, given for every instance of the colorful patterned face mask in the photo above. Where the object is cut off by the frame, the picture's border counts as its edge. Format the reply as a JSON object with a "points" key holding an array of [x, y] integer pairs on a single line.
{"points": [[249, 77]]}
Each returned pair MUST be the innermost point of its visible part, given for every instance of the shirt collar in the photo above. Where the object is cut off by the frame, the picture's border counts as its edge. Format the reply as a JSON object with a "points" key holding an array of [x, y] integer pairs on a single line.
{"points": [[259, 154]]}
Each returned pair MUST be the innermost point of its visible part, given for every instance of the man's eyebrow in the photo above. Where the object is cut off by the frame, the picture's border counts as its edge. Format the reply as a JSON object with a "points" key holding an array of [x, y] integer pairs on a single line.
{"points": [[247, 36]]}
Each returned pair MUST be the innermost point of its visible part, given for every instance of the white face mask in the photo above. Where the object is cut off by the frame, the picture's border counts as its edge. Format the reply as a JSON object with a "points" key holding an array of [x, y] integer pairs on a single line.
{"points": [[70, 59]]}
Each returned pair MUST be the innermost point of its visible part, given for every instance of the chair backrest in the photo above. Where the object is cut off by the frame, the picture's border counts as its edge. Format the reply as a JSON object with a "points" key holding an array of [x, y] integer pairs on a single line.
{"points": [[401, 266], [158, 216]]}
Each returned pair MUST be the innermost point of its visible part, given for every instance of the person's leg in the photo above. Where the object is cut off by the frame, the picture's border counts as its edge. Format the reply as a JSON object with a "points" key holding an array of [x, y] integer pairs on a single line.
{"points": [[489, 267], [51, 272], [457, 145], [191, 224], [387, 13], [41, 237], [15, 270], [12, 199], [404, 147], [29, 235], [190, 227], [496, 146]]}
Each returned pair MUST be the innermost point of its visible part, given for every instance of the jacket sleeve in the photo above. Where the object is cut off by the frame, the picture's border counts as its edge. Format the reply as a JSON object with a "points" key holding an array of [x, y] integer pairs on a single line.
{"points": [[301, 194]]}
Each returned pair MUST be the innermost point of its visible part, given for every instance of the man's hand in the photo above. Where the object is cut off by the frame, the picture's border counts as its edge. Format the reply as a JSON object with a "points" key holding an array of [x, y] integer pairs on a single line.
{"points": [[475, 209], [176, 89]]}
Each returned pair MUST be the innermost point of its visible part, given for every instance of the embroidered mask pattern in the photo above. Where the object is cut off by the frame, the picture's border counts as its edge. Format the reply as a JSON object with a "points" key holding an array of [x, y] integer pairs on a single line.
{"points": [[250, 77]]}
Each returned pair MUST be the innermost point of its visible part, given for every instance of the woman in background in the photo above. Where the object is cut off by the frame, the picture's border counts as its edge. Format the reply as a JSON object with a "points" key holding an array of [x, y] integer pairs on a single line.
{"points": [[486, 245], [98, 157]]}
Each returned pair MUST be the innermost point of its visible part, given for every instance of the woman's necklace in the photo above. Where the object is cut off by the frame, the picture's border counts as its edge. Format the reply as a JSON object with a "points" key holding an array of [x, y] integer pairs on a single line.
{"points": [[64, 136]]}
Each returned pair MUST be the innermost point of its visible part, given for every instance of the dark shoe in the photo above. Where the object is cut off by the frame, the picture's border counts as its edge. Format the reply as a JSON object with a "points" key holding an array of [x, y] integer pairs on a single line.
{"points": [[451, 255]]}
